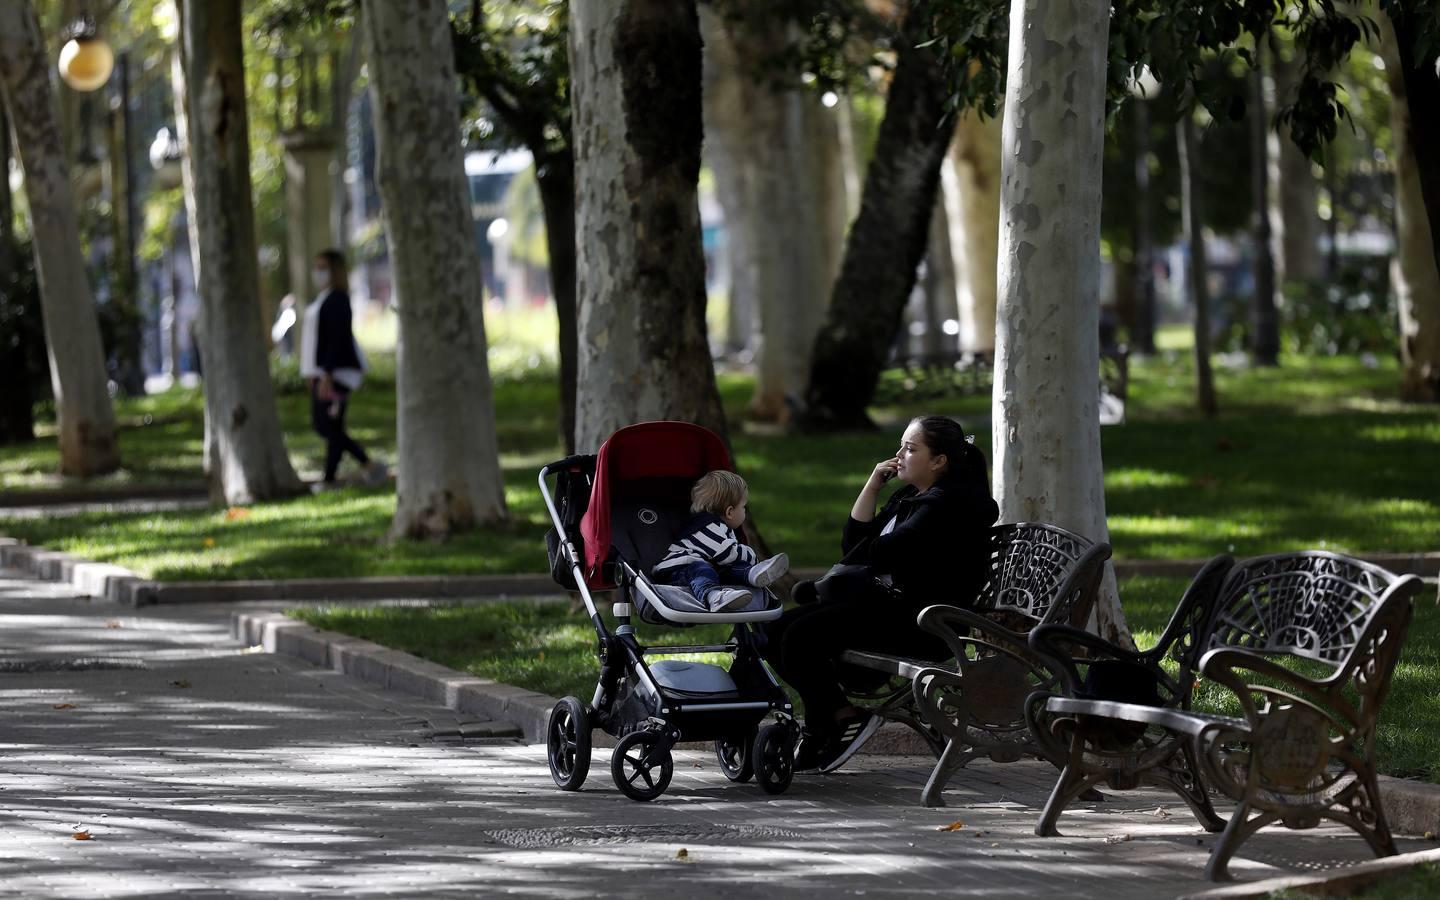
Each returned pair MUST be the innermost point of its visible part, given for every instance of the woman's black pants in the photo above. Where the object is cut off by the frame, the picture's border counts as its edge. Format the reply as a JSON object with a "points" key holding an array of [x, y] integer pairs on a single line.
{"points": [[804, 646], [332, 429]]}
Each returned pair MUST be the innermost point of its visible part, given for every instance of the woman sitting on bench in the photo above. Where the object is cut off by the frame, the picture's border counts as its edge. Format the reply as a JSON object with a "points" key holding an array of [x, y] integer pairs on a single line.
{"points": [[928, 544]]}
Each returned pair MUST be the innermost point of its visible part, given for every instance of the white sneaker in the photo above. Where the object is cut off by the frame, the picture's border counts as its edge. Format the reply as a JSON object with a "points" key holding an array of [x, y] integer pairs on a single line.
{"points": [[727, 599], [376, 473], [767, 572], [852, 737]]}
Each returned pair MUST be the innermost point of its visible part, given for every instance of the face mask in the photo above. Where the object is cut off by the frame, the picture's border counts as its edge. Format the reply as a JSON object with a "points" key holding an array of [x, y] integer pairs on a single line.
{"points": [[321, 277]]}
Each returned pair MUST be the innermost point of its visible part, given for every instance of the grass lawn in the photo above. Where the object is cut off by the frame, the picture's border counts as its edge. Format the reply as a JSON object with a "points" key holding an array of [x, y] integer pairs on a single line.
{"points": [[549, 648], [1313, 454]]}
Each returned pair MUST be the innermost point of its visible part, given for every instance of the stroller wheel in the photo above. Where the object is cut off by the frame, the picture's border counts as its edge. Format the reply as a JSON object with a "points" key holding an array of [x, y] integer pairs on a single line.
{"points": [[734, 757], [772, 757], [567, 744], [640, 772]]}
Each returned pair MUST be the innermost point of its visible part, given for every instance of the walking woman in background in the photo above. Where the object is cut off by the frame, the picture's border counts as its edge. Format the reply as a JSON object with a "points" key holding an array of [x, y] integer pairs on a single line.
{"points": [[333, 366]]}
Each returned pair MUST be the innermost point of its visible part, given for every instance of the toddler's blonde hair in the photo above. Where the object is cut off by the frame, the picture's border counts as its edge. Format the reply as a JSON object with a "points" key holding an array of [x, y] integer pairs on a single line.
{"points": [[717, 491]]}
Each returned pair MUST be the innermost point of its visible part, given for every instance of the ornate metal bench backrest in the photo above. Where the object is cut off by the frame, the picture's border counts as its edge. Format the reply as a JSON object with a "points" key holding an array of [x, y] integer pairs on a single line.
{"points": [[1347, 615], [1310, 604], [1029, 563]]}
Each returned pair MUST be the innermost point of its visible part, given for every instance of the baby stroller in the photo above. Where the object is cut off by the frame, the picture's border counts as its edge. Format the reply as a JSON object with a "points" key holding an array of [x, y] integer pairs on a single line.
{"points": [[614, 515]]}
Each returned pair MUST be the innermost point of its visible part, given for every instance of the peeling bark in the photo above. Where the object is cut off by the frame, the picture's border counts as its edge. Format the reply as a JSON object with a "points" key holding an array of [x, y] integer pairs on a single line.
{"points": [[1047, 356], [88, 444], [245, 448], [449, 474], [635, 94]]}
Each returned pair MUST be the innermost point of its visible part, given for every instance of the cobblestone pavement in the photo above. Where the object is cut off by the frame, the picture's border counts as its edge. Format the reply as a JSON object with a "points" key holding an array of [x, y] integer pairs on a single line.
{"points": [[200, 769]]}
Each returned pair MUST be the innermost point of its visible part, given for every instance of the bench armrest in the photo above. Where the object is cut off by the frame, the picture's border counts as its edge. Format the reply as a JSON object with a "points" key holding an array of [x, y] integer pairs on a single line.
{"points": [[1226, 665], [1055, 643]]}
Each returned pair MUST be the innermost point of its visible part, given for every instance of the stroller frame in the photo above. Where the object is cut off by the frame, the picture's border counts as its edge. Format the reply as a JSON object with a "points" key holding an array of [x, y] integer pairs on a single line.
{"points": [[651, 707]]}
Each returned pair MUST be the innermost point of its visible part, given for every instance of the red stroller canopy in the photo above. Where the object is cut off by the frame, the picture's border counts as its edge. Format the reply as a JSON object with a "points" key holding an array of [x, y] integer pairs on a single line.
{"points": [[644, 451]]}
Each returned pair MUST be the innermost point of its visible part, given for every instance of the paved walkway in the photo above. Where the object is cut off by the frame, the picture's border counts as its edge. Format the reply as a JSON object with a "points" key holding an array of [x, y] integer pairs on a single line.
{"points": [[199, 768]]}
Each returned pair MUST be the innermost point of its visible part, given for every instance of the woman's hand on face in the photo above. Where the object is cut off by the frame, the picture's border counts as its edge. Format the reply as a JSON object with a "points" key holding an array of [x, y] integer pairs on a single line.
{"points": [[884, 471]]}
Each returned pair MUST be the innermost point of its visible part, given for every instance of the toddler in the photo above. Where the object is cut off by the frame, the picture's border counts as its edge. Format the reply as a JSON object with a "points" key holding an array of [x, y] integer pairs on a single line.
{"points": [[706, 555]]}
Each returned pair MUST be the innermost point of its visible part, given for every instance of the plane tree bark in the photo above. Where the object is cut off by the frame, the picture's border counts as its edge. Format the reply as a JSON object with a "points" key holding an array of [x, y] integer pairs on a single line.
{"points": [[449, 475], [86, 419], [636, 116]]}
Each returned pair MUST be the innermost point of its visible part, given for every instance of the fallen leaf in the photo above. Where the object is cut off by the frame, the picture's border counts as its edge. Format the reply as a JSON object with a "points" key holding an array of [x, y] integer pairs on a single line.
{"points": [[236, 512], [953, 826], [180, 683], [1117, 838], [682, 853], [208, 542], [82, 836], [64, 706], [113, 623]]}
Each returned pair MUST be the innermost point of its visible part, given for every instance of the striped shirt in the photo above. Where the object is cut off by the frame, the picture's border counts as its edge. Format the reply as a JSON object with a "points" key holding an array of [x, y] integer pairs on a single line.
{"points": [[706, 538]]}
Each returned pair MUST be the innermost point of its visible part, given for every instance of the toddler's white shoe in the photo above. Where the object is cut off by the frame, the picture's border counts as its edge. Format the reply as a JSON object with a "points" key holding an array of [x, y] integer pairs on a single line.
{"points": [[767, 572], [727, 599]]}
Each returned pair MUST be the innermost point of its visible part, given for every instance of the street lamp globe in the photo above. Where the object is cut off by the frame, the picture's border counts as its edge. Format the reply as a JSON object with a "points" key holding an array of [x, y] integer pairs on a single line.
{"points": [[85, 62]]}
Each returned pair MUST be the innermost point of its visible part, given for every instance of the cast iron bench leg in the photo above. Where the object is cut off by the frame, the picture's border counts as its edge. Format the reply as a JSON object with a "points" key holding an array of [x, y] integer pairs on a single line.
{"points": [[952, 759]]}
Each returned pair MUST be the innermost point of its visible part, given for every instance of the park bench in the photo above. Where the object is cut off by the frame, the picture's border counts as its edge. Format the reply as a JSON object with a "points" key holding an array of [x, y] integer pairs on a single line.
{"points": [[973, 704], [1302, 644]]}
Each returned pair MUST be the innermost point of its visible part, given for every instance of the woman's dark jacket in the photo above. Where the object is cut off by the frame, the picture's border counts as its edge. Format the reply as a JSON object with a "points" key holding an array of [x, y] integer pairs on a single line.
{"points": [[939, 550], [334, 339]]}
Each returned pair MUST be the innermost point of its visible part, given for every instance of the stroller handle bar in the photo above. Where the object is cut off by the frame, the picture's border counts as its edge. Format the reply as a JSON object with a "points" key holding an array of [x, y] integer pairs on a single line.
{"points": [[568, 545]]}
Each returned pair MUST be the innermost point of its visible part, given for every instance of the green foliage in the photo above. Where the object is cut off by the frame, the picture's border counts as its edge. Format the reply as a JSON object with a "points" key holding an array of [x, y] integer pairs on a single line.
{"points": [[512, 57], [1353, 313]]}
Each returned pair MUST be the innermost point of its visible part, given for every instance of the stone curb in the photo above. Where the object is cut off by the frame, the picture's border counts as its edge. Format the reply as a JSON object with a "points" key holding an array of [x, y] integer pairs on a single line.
{"points": [[65, 496], [1340, 883], [386, 668]]}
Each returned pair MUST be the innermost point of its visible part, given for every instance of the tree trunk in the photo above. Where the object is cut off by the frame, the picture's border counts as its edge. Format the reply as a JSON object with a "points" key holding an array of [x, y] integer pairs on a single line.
{"points": [[1142, 325], [17, 405], [244, 441], [975, 243], [1417, 277], [1294, 190], [1196, 277], [88, 444], [449, 475], [1264, 320], [635, 98], [555, 175], [726, 98], [1422, 91], [784, 164], [1047, 359], [940, 286], [888, 239]]}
